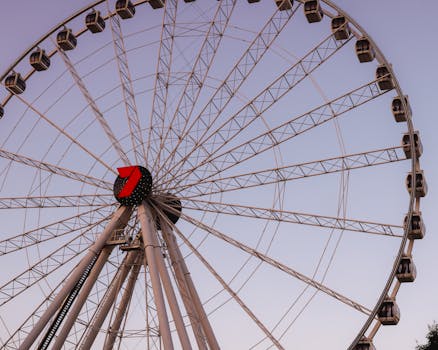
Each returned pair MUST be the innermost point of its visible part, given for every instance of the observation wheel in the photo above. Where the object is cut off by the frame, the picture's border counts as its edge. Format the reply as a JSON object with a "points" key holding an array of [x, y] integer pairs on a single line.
{"points": [[205, 175]]}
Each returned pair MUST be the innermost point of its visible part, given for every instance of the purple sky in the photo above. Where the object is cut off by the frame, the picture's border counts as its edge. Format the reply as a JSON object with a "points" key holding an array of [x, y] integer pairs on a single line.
{"points": [[406, 33]]}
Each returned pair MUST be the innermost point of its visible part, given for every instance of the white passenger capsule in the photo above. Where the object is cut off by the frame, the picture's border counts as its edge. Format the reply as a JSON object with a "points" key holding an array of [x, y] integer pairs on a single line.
{"points": [[364, 50], [15, 84], [384, 78], [416, 228], [125, 9], [284, 4], [389, 313], [398, 110], [39, 60], [94, 22], [313, 11], [66, 39], [406, 271], [418, 146], [340, 28]]}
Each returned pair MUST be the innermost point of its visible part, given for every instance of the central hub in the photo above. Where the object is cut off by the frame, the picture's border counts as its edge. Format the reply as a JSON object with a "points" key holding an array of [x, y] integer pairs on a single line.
{"points": [[133, 185]]}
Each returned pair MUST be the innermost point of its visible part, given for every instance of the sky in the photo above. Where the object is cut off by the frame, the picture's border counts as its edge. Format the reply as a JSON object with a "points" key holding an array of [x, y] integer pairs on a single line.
{"points": [[406, 33], [405, 30]]}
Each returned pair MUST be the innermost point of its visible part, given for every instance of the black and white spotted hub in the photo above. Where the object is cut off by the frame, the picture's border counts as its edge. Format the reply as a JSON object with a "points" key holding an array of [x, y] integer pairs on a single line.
{"points": [[133, 185]]}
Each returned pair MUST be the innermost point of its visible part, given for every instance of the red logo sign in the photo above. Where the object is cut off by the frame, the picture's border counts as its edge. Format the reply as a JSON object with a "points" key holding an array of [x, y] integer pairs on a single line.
{"points": [[133, 174]]}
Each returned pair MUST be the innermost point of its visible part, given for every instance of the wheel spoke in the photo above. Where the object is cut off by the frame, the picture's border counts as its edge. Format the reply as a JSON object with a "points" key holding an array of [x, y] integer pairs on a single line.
{"points": [[231, 84], [288, 130], [277, 264], [295, 217], [293, 172], [50, 231], [196, 80], [72, 201], [127, 89], [92, 103], [264, 100], [159, 100], [54, 169]]}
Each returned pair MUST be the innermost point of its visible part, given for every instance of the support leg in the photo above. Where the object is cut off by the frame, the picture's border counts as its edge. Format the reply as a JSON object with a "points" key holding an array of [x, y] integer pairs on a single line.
{"points": [[211, 338], [183, 287], [171, 298], [123, 306], [83, 295], [148, 230], [118, 221], [108, 300]]}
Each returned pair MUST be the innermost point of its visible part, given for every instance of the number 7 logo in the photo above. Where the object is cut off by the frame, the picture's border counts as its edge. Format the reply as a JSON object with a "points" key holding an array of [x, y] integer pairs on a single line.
{"points": [[133, 174]]}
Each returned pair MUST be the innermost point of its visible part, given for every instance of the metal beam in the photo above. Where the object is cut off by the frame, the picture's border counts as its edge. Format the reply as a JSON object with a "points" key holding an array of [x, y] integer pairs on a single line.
{"points": [[181, 272], [86, 289], [296, 218], [54, 169], [292, 172], [123, 305], [108, 300], [118, 221], [151, 250]]}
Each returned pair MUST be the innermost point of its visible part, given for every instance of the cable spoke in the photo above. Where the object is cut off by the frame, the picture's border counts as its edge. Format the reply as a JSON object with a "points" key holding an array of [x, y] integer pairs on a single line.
{"points": [[48, 264], [225, 285], [97, 113], [159, 100], [264, 100], [54, 169], [277, 264], [234, 80], [196, 81], [295, 217], [72, 201], [127, 89], [293, 172]]}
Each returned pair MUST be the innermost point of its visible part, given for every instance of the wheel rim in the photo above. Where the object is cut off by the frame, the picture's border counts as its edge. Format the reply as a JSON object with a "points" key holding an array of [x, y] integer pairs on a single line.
{"points": [[216, 175]]}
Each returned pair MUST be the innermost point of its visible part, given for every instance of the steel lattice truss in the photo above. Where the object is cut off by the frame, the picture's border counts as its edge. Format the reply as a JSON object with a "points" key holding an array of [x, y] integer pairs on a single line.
{"points": [[128, 90], [266, 98], [294, 217], [90, 200], [197, 163], [294, 172]]}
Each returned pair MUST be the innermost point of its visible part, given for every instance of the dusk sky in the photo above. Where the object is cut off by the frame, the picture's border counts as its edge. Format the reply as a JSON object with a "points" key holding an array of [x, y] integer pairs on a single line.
{"points": [[406, 32]]}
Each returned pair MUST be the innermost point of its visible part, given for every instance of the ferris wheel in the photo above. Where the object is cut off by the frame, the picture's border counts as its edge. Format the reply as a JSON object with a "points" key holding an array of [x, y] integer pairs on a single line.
{"points": [[205, 175]]}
